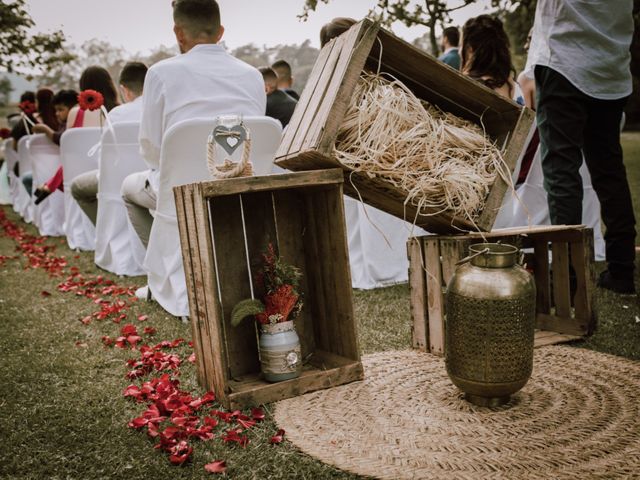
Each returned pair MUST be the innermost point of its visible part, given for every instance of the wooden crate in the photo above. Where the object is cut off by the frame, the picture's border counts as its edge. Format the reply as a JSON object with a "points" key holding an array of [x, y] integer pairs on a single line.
{"points": [[302, 215], [310, 137], [432, 260]]}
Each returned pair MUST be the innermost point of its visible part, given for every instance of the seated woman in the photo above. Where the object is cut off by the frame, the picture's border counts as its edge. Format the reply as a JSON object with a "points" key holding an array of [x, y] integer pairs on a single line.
{"points": [[93, 78], [485, 56]]}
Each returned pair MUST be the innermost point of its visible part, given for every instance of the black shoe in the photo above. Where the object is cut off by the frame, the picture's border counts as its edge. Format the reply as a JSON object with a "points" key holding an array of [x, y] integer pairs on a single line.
{"points": [[40, 195], [622, 285]]}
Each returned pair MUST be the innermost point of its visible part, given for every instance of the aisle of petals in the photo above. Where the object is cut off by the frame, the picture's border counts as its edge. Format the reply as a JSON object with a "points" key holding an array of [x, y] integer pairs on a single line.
{"points": [[174, 419]]}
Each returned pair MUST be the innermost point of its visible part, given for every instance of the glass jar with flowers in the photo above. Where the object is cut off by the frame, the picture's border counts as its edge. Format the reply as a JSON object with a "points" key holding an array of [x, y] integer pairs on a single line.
{"points": [[279, 346]]}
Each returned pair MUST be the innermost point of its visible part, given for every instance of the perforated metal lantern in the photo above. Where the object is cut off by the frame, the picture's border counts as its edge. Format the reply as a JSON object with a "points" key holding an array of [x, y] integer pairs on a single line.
{"points": [[489, 329]]}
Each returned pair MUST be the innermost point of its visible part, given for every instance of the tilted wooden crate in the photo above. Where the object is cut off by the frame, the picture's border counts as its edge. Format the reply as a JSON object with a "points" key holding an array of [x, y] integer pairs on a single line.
{"points": [[559, 317], [302, 215], [310, 137]]}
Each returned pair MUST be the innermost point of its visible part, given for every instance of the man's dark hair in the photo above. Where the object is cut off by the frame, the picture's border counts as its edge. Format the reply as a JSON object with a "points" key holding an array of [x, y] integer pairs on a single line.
{"points": [[28, 96], [132, 76], [269, 76], [68, 98], [283, 69], [452, 34], [197, 17]]}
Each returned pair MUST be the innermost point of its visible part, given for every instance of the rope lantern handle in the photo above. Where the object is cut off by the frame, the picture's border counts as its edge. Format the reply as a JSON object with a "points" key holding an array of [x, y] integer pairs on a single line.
{"points": [[229, 169]]}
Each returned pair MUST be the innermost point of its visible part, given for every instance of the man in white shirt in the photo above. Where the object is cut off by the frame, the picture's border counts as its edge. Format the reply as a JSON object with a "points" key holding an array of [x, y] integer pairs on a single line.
{"points": [[84, 188], [203, 82], [580, 50]]}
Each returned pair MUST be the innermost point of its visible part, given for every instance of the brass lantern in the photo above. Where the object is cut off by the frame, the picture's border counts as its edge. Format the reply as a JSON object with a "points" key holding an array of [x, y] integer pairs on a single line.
{"points": [[490, 324]]}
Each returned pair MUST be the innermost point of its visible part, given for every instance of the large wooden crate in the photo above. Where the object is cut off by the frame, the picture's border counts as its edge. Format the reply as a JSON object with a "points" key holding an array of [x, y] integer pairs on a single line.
{"points": [[559, 317], [310, 137], [302, 215]]}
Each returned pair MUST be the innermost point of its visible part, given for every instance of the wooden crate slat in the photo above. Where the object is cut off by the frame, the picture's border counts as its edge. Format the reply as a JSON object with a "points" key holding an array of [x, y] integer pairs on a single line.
{"points": [[309, 381], [357, 44], [190, 252], [541, 274], [582, 262], [233, 276], [435, 299], [302, 115], [205, 280], [233, 186], [418, 282], [340, 281], [315, 101], [543, 338], [451, 251], [290, 226], [560, 274]]}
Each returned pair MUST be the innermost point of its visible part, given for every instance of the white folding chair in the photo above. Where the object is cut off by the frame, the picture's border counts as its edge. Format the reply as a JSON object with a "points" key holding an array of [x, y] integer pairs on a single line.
{"points": [[11, 158], [5, 187], [118, 248], [182, 161], [48, 216], [75, 144], [24, 203]]}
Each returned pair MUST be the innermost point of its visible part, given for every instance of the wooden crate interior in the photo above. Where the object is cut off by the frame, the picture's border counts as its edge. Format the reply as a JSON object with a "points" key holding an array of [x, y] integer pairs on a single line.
{"points": [[309, 141], [224, 227], [561, 308]]}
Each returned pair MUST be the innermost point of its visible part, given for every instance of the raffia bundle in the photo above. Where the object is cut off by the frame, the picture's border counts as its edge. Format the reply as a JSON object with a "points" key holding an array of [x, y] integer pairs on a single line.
{"points": [[442, 162]]}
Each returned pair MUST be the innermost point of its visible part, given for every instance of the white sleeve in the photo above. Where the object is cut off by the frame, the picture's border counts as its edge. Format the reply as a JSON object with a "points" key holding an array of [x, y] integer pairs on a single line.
{"points": [[152, 122]]}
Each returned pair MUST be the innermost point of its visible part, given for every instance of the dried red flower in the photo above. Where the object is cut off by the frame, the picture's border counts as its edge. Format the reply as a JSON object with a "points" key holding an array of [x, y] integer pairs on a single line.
{"points": [[27, 107], [5, 133], [90, 100]]}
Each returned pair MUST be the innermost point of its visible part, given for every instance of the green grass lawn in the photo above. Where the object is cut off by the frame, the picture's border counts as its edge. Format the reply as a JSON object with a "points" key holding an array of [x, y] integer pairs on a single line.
{"points": [[62, 413]]}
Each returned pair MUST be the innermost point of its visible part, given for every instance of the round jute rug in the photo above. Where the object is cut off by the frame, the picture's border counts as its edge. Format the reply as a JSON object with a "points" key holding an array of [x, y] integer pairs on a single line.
{"points": [[578, 417]]}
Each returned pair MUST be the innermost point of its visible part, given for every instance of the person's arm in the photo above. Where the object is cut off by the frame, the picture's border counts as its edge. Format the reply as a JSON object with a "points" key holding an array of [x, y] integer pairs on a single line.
{"points": [[42, 128], [152, 121]]}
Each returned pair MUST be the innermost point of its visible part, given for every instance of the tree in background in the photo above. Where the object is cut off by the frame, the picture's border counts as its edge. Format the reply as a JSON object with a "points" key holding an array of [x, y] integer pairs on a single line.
{"points": [[428, 13], [5, 91], [22, 52], [300, 57]]}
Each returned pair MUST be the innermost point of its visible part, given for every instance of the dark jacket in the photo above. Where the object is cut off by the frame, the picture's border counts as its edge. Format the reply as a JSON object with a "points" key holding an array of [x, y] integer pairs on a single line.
{"points": [[280, 106]]}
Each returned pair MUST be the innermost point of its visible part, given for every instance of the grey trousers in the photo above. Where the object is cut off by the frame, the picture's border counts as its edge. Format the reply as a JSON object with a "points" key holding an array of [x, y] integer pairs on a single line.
{"points": [[139, 198], [84, 189]]}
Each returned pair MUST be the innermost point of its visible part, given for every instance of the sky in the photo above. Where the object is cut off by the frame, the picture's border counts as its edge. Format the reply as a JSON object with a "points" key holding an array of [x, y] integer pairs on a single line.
{"points": [[139, 26]]}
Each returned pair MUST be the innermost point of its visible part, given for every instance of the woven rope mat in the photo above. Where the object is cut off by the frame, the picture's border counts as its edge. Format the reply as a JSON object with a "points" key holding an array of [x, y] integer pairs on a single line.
{"points": [[578, 417]]}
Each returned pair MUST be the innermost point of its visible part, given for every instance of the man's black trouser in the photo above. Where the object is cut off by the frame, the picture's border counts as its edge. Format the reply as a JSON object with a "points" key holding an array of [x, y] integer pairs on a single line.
{"points": [[573, 124]]}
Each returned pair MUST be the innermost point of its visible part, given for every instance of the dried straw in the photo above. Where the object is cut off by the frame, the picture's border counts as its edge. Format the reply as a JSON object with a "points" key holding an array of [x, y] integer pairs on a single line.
{"points": [[442, 162]]}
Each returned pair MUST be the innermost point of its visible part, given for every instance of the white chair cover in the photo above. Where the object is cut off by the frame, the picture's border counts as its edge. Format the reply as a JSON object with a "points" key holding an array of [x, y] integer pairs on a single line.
{"points": [[48, 216], [183, 160], [10, 159], [24, 202], [5, 189], [377, 245], [118, 248], [75, 144], [533, 203]]}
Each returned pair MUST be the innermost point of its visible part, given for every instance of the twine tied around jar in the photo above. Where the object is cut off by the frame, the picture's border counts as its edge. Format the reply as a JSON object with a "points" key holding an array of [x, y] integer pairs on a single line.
{"points": [[229, 139]]}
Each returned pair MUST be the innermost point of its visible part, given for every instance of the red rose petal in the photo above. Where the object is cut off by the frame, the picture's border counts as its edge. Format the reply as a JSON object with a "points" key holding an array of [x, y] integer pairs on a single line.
{"points": [[257, 414], [142, 318], [219, 466], [278, 437], [44, 293]]}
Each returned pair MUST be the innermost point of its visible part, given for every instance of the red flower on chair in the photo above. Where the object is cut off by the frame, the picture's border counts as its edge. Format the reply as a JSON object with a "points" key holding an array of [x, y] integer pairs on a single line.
{"points": [[5, 133], [90, 100], [27, 107]]}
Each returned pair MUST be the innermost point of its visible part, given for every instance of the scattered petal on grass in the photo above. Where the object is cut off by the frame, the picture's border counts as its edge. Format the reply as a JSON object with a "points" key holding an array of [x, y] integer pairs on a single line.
{"points": [[44, 293], [219, 466], [278, 437], [142, 318], [257, 414], [86, 320], [192, 358], [149, 330], [81, 344]]}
